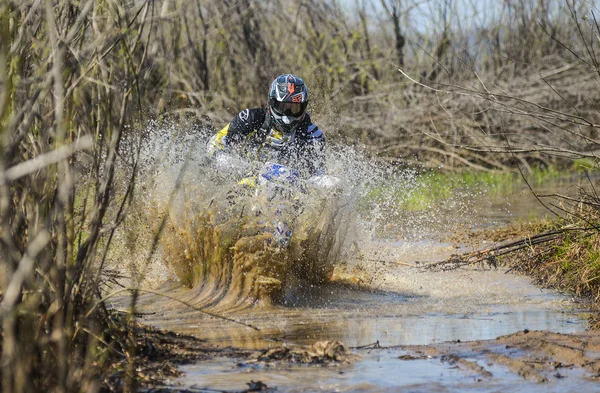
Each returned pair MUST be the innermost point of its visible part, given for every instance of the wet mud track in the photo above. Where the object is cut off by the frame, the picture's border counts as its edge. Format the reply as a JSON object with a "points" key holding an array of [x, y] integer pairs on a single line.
{"points": [[551, 361], [435, 332], [440, 307], [528, 361]]}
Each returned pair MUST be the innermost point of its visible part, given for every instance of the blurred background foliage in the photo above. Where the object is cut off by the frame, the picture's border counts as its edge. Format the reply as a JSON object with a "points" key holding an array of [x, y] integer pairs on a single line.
{"points": [[475, 72]]}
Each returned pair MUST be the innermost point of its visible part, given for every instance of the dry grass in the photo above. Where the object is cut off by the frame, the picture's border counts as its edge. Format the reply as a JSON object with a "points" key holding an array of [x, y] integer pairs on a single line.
{"points": [[68, 76], [560, 254], [569, 263]]}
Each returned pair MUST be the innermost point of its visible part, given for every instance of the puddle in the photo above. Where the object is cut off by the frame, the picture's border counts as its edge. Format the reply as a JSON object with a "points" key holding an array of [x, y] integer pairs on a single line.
{"points": [[377, 371], [399, 305], [359, 318], [408, 307]]}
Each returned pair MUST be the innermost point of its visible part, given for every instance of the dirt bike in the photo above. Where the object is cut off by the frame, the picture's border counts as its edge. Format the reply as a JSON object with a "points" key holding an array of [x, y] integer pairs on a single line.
{"points": [[279, 190], [277, 195]]}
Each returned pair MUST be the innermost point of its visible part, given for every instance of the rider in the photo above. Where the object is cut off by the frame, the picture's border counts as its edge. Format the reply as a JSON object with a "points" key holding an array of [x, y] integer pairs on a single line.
{"points": [[282, 132]]}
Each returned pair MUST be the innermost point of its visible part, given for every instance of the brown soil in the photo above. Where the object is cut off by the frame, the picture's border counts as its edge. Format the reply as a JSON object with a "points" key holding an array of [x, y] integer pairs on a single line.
{"points": [[159, 352], [156, 355], [534, 355]]}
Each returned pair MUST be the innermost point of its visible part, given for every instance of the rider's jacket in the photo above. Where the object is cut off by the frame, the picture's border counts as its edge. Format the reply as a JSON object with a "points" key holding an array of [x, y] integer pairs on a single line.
{"points": [[252, 134]]}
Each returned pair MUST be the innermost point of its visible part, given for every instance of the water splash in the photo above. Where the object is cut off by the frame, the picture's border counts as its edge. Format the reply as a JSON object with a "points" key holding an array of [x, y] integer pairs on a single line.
{"points": [[222, 241], [217, 243]]}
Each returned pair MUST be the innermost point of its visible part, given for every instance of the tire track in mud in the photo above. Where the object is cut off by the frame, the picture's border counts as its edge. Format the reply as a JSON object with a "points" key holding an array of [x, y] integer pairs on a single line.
{"points": [[468, 366], [537, 356]]}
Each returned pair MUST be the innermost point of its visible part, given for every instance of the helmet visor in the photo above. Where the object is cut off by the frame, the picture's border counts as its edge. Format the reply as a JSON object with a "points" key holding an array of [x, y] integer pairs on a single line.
{"points": [[291, 109]]}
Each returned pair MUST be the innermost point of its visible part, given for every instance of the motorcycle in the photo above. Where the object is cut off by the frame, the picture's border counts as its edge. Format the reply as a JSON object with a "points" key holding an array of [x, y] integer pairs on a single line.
{"points": [[301, 217], [277, 195], [279, 190]]}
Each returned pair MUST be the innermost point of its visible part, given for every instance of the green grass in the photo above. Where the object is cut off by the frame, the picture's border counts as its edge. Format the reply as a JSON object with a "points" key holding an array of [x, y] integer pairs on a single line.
{"points": [[583, 165], [431, 188]]}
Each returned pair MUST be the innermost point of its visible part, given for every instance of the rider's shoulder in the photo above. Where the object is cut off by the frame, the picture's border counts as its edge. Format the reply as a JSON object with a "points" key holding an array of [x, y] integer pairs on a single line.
{"points": [[310, 130], [251, 115], [247, 121]]}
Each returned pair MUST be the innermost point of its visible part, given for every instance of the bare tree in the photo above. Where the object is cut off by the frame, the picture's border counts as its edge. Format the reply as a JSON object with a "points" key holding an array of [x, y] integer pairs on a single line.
{"points": [[393, 9]]}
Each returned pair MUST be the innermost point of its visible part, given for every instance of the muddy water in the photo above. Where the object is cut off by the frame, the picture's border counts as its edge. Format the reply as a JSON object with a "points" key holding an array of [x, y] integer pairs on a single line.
{"points": [[397, 306], [377, 371], [376, 295], [394, 305]]}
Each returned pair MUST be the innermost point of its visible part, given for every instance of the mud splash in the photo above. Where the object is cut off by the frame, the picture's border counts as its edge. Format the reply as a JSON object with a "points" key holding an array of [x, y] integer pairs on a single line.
{"points": [[219, 235], [217, 244], [227, 253]]}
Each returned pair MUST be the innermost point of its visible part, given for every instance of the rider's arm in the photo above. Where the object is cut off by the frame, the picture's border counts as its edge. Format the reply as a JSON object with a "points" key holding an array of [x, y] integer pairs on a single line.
{"points": [[218, 142], [237, 131], [315, 144]]}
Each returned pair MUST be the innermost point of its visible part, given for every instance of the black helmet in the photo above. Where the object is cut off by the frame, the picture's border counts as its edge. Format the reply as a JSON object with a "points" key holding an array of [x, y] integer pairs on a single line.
{"points": [[288, 99]]}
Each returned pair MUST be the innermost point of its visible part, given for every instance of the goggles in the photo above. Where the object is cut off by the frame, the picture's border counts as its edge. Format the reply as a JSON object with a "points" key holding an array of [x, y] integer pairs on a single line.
{"points": [[290, 109]]}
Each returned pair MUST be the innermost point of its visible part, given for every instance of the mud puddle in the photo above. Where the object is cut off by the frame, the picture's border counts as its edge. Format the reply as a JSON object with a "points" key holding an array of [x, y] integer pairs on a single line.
{"points": [[359, 317], [403, 342], [380, 370], [381, 299]]}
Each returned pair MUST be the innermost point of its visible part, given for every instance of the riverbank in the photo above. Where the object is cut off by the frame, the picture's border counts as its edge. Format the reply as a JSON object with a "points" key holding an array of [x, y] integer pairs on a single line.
{"points": [[153, 356], [559, 254]]}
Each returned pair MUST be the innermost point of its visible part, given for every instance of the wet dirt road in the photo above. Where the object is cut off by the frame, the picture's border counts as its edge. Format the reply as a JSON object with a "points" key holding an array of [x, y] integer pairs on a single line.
{"points": [[391, 303], [431, 328]]}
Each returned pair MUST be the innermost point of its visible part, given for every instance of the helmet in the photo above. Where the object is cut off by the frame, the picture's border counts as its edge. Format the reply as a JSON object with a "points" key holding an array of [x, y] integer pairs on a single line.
{"points": [[288, 99]]}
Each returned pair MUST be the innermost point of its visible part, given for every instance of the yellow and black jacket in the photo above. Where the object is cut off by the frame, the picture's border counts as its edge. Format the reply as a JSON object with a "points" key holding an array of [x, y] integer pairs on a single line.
{"points": [[252, 133]]}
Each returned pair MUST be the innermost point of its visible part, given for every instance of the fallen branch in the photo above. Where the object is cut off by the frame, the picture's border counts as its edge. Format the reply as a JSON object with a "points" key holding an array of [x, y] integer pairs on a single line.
{"points": [[490, 255]]}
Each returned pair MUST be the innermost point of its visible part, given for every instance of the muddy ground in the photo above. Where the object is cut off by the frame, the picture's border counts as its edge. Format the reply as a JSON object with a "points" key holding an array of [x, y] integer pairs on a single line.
{"points": [[538, 357], [541, 360], [386, 272]]}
